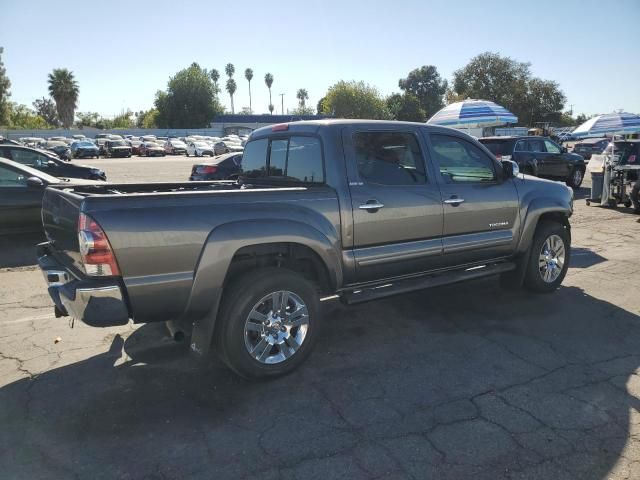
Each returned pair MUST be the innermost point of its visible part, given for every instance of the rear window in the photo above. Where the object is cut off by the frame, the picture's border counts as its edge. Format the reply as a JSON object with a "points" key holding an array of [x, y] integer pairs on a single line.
{"points": [[294, 158], [497, 147]]}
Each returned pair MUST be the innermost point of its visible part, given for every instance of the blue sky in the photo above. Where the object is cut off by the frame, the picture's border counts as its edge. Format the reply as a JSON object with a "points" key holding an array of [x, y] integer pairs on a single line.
{"points": [[123, 52]]}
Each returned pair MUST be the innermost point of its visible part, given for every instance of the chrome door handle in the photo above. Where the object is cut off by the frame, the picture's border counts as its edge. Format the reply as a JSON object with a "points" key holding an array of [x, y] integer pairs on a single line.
{"points": [[371, 206], [454, 201]]}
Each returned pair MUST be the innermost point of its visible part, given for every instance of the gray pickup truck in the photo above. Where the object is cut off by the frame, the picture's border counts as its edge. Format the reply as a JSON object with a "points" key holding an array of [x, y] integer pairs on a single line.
{"points": [[358, 209]]}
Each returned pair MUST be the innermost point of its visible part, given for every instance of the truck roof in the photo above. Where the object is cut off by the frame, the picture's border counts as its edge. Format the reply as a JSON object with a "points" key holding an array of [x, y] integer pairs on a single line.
{"points": [[314, 125]]}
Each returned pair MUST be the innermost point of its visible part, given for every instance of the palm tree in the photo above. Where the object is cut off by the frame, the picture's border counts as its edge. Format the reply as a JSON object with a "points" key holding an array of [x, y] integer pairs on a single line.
{"points": [[268, 80], [64, 90], [230, 69], [215, 76], [231, 88], [248, 74], [302, 97]]}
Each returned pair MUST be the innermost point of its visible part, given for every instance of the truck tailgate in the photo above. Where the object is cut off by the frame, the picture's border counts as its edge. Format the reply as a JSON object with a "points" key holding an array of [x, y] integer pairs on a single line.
{"points": [[60, 212]]}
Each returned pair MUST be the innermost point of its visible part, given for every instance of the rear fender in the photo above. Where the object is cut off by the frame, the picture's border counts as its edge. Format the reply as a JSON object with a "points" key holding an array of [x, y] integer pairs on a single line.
{"points": [[218, 252]]}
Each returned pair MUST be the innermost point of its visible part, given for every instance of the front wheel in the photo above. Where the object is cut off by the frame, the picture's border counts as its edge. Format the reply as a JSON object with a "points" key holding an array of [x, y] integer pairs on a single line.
{"points": [[269, 322], [575, 178], [549, 257]]}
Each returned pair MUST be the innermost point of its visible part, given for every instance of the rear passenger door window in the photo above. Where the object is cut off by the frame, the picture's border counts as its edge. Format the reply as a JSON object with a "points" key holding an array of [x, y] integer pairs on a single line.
{"points": [[389, 158]]}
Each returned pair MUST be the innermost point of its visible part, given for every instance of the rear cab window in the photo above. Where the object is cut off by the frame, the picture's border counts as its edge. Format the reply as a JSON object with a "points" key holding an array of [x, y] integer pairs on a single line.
{"points": [[295, 158]]}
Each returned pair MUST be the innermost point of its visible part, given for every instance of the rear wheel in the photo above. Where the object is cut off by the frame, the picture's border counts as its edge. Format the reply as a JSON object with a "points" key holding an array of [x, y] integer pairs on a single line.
{"points": [[575, 178], [549, 257], [269, 321]]}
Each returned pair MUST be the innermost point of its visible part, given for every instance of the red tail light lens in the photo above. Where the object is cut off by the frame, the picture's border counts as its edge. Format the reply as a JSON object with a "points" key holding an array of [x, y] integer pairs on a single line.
{"points": [[97, 256], [281, 127], [208, 169]]}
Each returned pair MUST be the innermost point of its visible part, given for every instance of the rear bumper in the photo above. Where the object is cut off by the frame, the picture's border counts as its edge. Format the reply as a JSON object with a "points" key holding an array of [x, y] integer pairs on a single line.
{"points": [[98, 302]]}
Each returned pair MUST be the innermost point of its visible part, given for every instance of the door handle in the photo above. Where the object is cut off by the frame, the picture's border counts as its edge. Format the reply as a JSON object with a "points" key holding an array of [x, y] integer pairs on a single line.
{"points": [[371, 205], [454, 201]]}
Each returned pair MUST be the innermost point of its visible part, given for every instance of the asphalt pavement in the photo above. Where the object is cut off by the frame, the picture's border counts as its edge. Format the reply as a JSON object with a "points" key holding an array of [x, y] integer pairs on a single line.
{"points": [[465, 381]]}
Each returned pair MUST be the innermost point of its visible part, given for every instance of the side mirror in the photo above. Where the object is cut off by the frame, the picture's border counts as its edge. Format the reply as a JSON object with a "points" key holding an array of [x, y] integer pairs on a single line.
{"points": [[564, 150], [35, 182], [510, 168]]}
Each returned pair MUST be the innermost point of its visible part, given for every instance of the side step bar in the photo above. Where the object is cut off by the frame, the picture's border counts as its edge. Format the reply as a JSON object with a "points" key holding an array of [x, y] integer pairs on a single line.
{"points": [[403, 286]]}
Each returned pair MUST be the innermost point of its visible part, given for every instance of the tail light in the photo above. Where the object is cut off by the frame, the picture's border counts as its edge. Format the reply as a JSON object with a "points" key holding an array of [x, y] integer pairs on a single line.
{"points": [[208, 169], [96, 252]]}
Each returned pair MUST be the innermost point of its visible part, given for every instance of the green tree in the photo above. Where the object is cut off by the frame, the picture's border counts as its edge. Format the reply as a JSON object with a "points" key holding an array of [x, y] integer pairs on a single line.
{"points": [[302, 95], [123, 120], [545, 101], [248, 74], [87, 119], [509, 83], [319, 107], [354, 100], [147, 119], [230, 70], [580, 119], [231, 88], [5, 85], [268, 81], [65, 91], [21, 116], [46, 108], [405, 107], [425, 84], [190, 100], [303, 111], [215, 76]]}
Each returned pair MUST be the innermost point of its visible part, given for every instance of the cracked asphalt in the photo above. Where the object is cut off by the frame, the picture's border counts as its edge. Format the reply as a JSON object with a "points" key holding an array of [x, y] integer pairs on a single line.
{"points": [[465, 381]]}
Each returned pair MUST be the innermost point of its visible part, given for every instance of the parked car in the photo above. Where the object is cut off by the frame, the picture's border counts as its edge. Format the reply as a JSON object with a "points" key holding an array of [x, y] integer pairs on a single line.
{"points": [[8, 141], [539, 156], [135, 146], [590, 146], [199, 149], [117, 148], [60, 149], [175, 147], [150, 149], [225, 146], [21, 191], [148, 138], [101, 144], [360, 209], [84, 149], [49, 163], [78, 137], [222, 167]]}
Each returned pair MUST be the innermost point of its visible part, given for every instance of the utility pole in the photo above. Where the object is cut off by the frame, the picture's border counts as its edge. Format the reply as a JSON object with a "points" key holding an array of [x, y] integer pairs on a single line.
{"points": [[282, 103], [571, 110]]}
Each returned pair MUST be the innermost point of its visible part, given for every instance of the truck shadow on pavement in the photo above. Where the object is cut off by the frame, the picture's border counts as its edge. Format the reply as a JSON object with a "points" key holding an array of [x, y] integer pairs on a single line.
{"points": [[457, 382]]}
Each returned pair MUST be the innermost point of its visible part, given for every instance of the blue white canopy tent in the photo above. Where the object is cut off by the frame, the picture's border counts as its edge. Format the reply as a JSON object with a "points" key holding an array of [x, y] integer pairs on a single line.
{"points": [[610, 123], [473, 114]]}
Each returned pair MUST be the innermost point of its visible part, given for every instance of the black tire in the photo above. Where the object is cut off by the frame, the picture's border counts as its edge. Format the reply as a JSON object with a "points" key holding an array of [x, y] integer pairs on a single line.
{"points": [[575, 178], [533, 279], [240, 297]]}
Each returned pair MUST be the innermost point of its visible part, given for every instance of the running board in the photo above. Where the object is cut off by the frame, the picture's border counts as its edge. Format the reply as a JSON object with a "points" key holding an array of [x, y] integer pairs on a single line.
{"points": [[403, 286]]}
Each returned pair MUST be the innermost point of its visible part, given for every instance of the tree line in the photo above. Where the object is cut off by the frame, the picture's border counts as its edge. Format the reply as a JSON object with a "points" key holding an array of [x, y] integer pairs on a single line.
{"points": [[192, 97]]}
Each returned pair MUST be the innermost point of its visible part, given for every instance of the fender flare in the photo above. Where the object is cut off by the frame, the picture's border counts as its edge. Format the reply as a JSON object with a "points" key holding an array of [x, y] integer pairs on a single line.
{"points": [[536, 209], [216, 256]]}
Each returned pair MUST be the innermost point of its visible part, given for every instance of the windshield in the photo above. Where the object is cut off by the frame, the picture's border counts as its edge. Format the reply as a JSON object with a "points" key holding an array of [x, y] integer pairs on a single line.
{"points": [[118, 143], [201, 144]]}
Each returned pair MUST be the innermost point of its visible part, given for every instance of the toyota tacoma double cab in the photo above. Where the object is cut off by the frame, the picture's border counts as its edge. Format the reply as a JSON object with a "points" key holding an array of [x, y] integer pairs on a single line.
{"points": [[358, 209]]}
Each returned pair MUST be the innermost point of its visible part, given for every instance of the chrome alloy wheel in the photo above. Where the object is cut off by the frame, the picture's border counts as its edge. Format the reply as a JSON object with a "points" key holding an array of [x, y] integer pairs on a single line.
{"points": [[577, 177], [551, 259], [276, 327]]}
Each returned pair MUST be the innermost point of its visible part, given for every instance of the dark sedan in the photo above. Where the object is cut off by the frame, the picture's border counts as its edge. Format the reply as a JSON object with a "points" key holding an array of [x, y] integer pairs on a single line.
{"points": [[590, 146], [21, 190], [223, 167], [49, 163], [60, 149], [84, 149], [151, 149]]}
